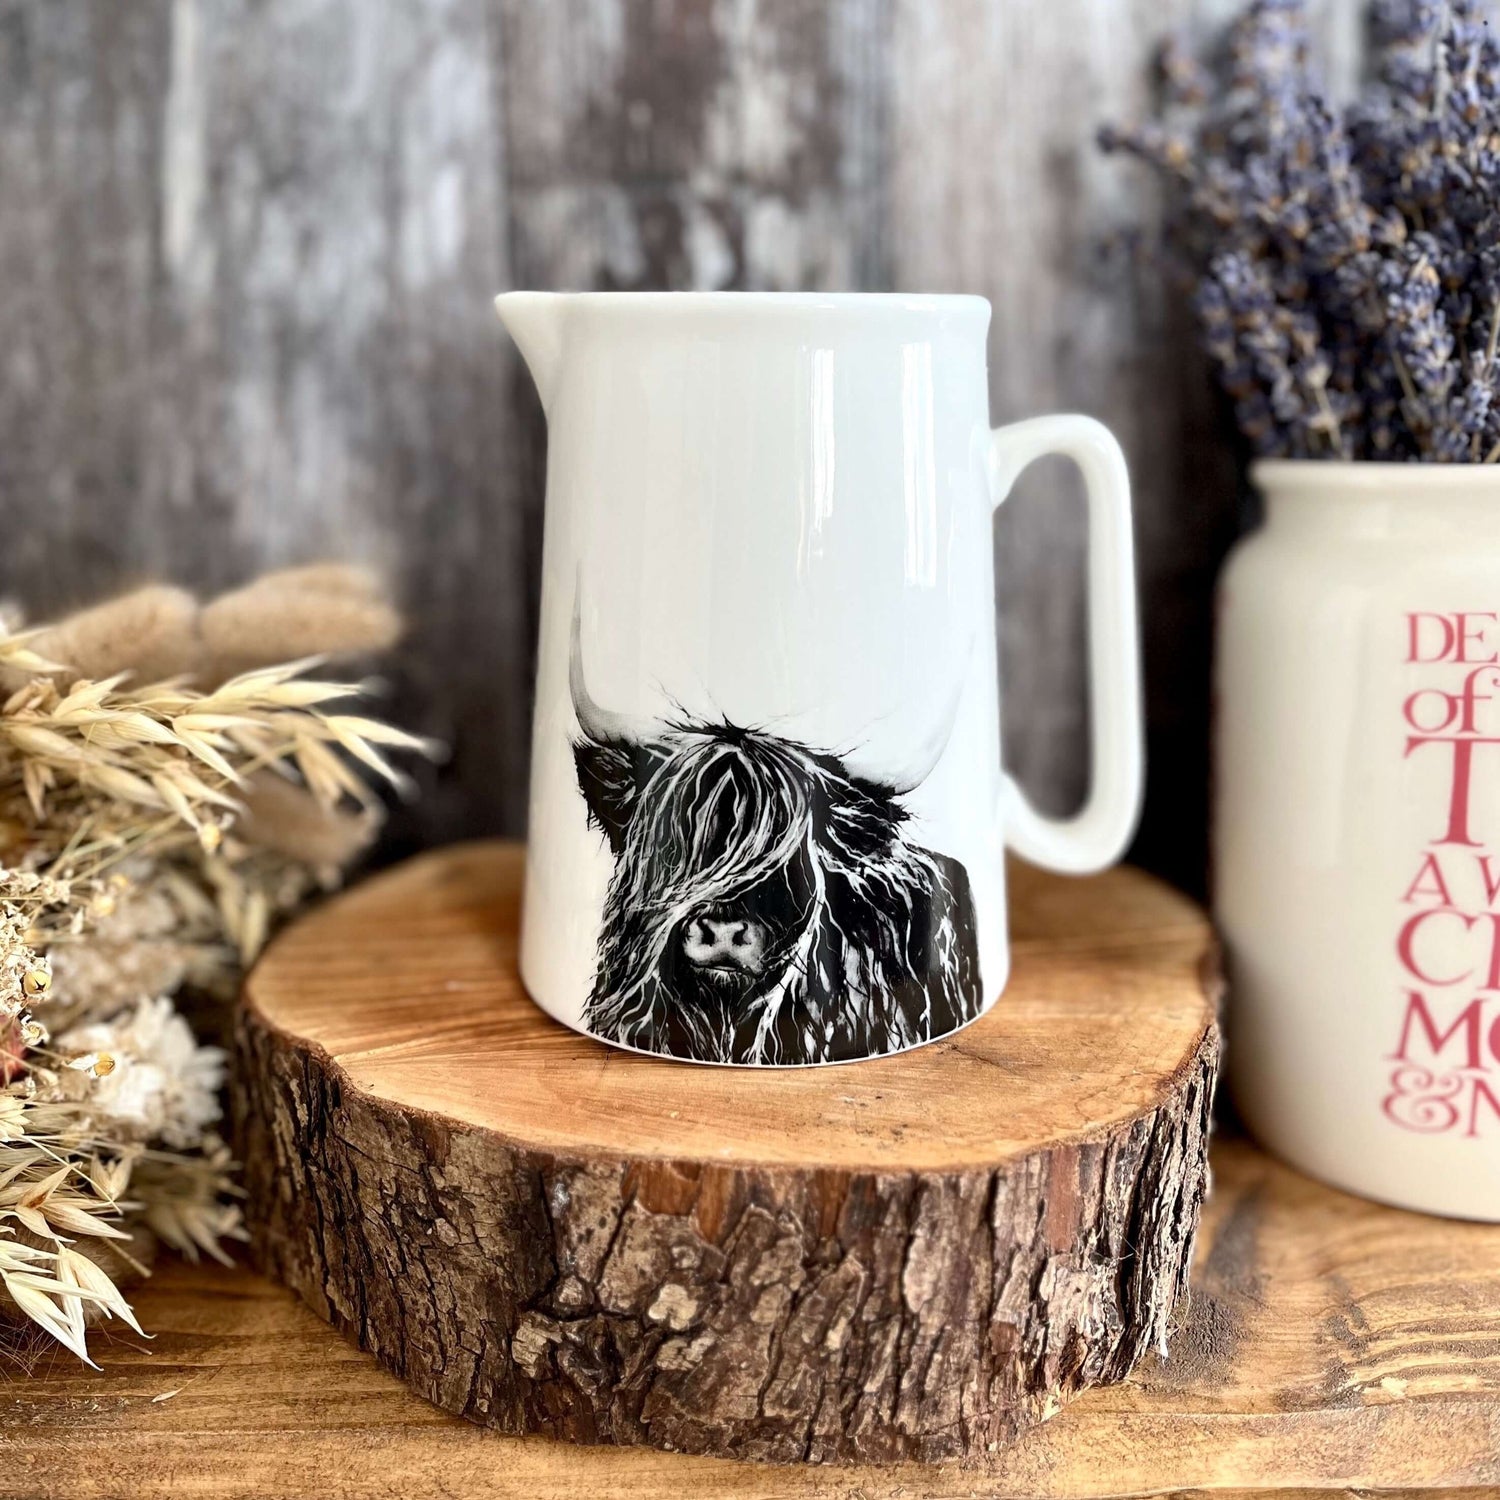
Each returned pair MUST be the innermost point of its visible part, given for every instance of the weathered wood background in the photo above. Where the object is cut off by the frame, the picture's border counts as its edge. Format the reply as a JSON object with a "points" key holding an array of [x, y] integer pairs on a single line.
{"points": [[247, 249]]}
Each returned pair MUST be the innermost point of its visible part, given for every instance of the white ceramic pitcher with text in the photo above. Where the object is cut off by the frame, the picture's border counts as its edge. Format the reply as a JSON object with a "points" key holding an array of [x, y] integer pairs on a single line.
{"points": [[768, 818], [1357, 827]]}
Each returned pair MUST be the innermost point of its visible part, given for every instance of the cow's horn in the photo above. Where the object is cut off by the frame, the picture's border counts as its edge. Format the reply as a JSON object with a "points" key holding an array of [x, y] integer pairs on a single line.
{"points": [[600, 724], [922, 758]]}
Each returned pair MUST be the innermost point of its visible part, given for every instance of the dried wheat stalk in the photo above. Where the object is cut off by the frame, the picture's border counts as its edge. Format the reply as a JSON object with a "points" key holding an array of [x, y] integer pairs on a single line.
{"points": [[169, 791]]}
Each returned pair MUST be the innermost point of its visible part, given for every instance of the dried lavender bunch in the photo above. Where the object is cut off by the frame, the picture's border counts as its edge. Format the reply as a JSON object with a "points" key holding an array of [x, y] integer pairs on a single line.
{"points": [[1345, 262]]}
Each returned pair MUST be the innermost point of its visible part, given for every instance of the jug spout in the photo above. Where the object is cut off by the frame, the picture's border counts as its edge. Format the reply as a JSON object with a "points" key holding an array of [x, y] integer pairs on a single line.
{"points": [[535, 321]]}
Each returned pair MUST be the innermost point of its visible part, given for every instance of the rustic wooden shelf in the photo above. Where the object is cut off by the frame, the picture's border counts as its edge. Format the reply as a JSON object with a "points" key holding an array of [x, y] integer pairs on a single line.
{"points": [[1331, 1345]]}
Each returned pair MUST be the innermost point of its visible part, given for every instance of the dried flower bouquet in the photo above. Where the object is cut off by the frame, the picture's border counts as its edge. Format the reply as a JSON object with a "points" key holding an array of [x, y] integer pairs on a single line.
{"points": [[168, 793], [1346, 261]]}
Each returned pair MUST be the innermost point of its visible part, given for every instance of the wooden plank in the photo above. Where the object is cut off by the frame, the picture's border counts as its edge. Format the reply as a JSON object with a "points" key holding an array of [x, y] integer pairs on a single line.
{"points": [[244, 264], [997, 188], [246, 254], [1332, 1345]]}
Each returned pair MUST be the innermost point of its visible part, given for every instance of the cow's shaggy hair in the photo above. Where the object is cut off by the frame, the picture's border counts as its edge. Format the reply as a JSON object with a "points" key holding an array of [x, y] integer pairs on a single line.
{"points": [[871, 944]]}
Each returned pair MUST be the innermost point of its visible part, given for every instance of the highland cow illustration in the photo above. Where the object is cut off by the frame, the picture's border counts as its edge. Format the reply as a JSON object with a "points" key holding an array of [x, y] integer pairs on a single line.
{"points": [[766, 905]]}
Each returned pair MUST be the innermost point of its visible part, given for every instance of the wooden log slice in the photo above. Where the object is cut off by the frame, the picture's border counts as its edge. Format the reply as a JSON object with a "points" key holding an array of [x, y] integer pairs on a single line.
{"points": [[908, 1258]]}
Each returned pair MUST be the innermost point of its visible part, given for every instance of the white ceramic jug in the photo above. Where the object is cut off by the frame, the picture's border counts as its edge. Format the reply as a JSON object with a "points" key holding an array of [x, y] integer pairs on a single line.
{"points": [[1357, 827], [768, 818]]}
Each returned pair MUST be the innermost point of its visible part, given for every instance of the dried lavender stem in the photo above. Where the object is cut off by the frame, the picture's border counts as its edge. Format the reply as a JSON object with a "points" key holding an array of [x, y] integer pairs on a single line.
{"points": [[1341, 252]]}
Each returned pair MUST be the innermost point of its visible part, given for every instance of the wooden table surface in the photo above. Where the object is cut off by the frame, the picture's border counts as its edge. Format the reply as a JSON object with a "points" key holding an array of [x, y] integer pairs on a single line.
{"points": [[1331, 1344]]}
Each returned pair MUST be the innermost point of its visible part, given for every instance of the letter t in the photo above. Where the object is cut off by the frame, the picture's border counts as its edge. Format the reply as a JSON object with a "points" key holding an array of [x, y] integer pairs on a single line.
{"points": [[1463, 766]]}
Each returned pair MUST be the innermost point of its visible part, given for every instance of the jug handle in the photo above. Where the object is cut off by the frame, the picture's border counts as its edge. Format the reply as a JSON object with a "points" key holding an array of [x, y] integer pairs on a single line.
{"points": [[1097, 834]]}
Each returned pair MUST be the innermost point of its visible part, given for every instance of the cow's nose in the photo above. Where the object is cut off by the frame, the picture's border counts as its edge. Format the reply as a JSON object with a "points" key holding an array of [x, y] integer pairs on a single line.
{"points": [[709, 940]]}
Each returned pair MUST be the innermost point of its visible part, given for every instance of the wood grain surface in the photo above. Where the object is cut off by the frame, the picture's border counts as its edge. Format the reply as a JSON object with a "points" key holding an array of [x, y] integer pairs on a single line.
{"points": [[409, 985], [247, 252], [912, 1257], [1332, 1346]]}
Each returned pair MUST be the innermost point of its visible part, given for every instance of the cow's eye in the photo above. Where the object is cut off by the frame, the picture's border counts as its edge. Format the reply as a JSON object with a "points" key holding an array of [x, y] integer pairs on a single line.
{"points": [[741, 936]]}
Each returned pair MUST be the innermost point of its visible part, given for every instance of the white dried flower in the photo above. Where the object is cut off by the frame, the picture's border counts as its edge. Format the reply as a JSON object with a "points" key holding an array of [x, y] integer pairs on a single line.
{"points": [[163, 1085], [95, 1064]]}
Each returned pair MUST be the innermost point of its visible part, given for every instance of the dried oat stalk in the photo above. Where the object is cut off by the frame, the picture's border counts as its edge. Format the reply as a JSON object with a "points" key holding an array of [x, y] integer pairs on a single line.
{"points": [[153, 832]]}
